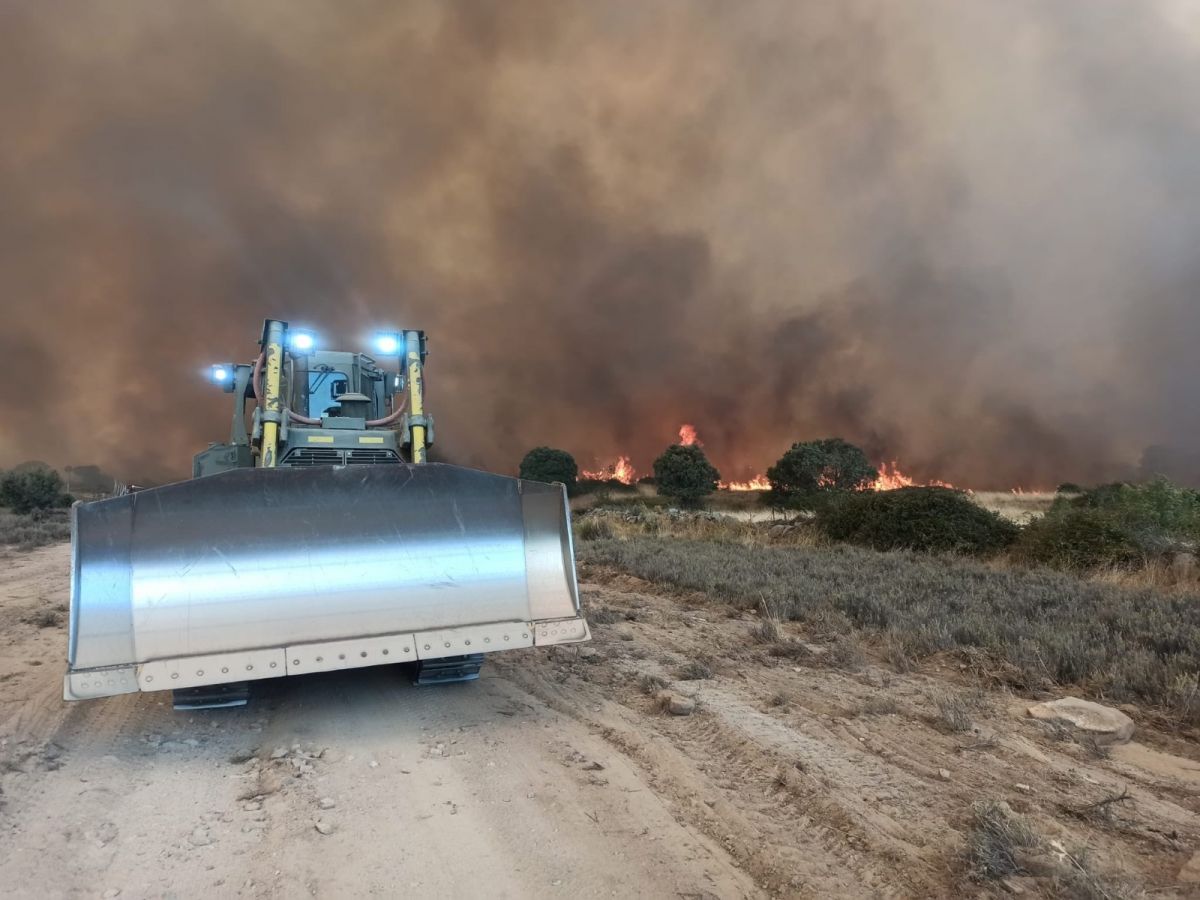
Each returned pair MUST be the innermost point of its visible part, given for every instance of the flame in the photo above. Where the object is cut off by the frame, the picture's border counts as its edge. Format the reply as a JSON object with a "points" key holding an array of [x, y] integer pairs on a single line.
{"points": [[891, 478], [621, 470], [757, 483]]}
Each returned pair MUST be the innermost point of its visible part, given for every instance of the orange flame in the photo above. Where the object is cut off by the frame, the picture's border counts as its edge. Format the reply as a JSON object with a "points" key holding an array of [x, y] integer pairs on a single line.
{"points": [[621, 470], [757, 483], [891, 478]]}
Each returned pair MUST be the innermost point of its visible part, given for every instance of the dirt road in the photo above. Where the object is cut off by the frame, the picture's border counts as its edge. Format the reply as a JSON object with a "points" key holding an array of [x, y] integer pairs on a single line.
{"points": [[468, 790], [556, 775]]}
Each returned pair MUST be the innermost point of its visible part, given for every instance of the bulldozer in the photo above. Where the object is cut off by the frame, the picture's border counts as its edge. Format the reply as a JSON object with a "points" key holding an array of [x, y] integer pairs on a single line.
{"points": [[319, 537]]}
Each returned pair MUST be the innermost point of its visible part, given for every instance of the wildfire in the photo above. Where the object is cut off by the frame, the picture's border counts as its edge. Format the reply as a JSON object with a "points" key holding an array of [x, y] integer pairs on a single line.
{"points": [[891, 478], [622, 470], [757, 483]]}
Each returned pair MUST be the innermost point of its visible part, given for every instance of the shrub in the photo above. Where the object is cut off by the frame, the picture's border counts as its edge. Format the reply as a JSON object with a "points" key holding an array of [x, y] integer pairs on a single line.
{"points": [[695, 670], [593, 528], [550, 465], [34, 529], [1157, 511], [1041, 627], [23, 492], [685, 474], [1114, 525], [928, 519], [815, 466], [1077, 538], [996, 840]]}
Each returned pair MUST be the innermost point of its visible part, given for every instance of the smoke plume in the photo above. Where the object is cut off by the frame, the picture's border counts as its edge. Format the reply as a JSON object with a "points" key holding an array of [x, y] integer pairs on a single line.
{"points": [[959, 234]]}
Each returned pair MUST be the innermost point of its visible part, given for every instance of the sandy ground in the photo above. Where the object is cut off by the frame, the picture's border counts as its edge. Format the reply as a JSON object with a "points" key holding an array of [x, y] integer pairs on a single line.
{"points": [[555, 775]]}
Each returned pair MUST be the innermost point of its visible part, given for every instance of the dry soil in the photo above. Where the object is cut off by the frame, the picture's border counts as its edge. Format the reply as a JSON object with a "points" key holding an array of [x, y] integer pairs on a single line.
{"points": [[558, 774]]}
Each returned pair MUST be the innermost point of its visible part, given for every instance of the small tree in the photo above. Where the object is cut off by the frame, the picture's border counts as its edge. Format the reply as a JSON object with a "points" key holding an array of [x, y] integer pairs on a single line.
{"points": [[23, 492], [815, 466], [550, 465], [685, 474]]}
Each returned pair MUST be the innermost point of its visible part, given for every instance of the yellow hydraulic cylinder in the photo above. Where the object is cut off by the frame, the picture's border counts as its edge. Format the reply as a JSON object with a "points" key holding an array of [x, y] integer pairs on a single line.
{"points": [[416, 395], [272, 402]]}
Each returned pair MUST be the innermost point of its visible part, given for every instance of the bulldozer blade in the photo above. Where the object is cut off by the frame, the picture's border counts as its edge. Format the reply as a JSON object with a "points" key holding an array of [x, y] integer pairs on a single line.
{"points": [[258, 573]]}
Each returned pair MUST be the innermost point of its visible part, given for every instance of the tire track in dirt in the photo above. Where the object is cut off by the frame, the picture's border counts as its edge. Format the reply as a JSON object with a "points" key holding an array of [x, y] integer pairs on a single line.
{"points": [[790, 836], [472, 790], [853, 767]]}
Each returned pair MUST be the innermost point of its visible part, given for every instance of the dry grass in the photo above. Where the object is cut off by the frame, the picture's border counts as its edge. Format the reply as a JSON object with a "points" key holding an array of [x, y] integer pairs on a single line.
{"points": [[25, 532], [699, 669], [1035, 629], [879, 706], [650, 684], [636, 519], [1174, 576], [1019, 508], [955, 714], [996, 840]]}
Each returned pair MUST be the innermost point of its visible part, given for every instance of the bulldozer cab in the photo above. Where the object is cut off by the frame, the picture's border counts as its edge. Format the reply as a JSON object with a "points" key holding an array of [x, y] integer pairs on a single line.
{"points": [[322, 379], [332, 403]]}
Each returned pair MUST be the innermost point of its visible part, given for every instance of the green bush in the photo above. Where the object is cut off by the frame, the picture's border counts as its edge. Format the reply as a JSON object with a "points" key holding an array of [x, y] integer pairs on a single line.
{"points": [[1114, 525], [550, 465], [812, 467], [1156, 506], [928, 519], [685, 474], [23, 492], [1071, 537]]}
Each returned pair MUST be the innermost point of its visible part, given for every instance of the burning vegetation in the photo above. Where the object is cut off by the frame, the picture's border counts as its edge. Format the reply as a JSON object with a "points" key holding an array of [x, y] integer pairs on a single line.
{"points": [[889, 475]]}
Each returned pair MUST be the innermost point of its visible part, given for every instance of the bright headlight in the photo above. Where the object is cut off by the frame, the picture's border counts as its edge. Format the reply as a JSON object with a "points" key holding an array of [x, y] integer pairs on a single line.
{"points": [[219, 374], [387, 344], [303, 340]]}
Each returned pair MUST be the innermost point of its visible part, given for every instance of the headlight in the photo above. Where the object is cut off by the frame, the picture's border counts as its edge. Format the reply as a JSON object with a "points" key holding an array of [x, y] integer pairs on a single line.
{"points": [[302, 341], [220, 374], [387, 344]]}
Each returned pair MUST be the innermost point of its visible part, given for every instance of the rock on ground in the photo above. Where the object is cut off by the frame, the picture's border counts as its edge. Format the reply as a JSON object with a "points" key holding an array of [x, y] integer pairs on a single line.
{"points": [[1103, 723], [677, 704]]}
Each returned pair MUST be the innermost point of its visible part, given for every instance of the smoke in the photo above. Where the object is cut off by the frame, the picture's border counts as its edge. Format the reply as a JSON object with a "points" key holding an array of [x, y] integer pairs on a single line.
{"points": [[959, 234]]}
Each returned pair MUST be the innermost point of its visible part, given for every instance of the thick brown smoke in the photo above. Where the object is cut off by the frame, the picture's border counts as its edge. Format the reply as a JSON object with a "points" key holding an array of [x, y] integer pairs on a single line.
{"points": [[960, 234]]}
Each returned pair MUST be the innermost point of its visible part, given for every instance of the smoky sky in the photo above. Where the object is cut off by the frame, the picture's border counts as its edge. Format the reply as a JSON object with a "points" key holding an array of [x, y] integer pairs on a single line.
{"points": [[960, 234]]}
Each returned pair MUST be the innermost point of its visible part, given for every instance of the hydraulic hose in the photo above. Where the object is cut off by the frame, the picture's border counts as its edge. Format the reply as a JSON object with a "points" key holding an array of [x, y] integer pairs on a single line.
{"points": [[392, 418]]}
